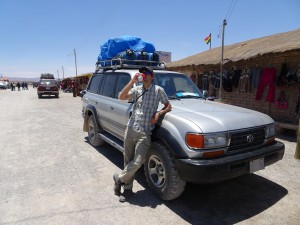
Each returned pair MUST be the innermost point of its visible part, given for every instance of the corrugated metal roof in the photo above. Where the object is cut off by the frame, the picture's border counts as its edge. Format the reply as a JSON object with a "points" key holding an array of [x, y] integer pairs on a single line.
{"points": [[244, 50]]}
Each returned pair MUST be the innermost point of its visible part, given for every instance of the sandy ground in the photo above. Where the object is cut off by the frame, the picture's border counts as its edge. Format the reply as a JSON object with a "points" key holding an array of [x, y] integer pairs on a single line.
{"points": [[50, 174]]}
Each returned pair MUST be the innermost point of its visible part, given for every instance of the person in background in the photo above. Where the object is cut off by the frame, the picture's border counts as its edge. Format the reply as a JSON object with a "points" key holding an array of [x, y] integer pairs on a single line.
{"points": [[12, 86], [18, 85]]}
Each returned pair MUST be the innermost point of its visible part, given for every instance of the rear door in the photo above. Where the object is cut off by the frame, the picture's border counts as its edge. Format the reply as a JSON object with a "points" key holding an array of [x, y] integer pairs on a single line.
{"points": [[113, 113], [120, 111], [93, 90], [106, 96]]}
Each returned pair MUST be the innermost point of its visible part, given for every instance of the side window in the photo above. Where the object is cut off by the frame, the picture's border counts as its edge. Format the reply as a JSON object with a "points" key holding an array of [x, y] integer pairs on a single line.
{"points": [[108, 85], [123, 79], [95, 84]]}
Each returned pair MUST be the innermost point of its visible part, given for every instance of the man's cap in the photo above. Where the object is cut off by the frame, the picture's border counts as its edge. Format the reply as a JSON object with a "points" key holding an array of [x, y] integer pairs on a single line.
{"points": [[146, 69]]}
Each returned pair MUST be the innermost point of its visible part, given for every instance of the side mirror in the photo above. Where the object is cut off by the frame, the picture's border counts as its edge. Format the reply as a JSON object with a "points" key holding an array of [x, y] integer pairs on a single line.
{"points": [[82, 93], [205, 93]]}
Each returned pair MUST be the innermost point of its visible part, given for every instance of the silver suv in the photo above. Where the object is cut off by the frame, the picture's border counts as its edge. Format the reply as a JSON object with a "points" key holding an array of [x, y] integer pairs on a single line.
{"points": [[199, 141]]}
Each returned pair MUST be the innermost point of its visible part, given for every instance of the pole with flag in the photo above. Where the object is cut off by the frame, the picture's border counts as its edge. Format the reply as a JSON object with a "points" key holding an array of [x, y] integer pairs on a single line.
{"points": [[208, 40]]}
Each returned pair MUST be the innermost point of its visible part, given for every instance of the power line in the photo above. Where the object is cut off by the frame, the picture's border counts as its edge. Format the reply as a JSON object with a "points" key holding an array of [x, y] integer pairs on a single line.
{"points": [[228, 15], [230, 9]]}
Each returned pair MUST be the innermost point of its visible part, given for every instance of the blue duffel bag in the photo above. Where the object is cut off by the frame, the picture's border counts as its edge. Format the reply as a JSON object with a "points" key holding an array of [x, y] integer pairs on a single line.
{"points": [[115, 46]]}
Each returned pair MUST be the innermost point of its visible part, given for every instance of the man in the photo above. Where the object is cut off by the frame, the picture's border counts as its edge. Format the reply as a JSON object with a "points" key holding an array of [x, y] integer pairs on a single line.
{"points": [[138, 133]]}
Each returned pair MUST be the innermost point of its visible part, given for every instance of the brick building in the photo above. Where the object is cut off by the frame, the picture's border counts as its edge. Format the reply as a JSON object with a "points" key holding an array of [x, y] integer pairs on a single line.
{"points": [[281, 52]]}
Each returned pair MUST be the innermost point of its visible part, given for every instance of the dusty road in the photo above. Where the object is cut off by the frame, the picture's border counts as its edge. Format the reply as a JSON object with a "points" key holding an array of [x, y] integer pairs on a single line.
{"points": [[50, 174]]}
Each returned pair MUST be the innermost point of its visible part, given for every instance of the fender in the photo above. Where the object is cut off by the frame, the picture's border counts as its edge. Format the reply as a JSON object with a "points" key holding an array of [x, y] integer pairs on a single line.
{"points": [[90, 110], [162, 134]]}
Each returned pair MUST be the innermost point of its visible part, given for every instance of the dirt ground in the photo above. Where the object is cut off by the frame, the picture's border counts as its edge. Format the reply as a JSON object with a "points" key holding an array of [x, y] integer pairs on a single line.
{"points": [[50, 174]]}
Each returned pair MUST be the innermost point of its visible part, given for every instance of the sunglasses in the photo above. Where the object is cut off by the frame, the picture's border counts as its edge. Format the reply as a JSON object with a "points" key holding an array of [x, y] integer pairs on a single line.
{"points": [[147, 73]]}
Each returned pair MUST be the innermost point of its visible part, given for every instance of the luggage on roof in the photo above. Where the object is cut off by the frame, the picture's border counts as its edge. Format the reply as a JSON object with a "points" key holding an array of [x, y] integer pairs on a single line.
{"points": [[128, 51], [47, 76], [116, 45]]}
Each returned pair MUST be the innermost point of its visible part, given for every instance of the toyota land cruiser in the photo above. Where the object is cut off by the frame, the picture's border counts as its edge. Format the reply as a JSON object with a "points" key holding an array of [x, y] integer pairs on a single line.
{"points": [[198, 141]]}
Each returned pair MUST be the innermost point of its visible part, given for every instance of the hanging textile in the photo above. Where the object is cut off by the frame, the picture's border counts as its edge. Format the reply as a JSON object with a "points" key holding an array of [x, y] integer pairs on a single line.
{"points": [[267, 79]]}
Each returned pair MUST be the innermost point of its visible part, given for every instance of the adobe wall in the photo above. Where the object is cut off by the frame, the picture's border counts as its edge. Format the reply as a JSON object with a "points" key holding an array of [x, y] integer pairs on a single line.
{"points": [[247, 100]]}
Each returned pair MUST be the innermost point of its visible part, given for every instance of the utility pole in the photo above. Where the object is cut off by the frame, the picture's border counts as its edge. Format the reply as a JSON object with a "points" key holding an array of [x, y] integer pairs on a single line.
{"points": [[222, 55], [63, 72], [75, 60]]}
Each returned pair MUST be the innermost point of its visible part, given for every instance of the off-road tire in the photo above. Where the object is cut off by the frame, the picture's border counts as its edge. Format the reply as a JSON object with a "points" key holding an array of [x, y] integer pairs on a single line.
{"points": [[161, 174], [94, 139]]}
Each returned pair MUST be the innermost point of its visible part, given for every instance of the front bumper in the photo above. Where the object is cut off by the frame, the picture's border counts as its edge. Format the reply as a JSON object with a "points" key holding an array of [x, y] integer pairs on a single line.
{"points": [[228, 167]]}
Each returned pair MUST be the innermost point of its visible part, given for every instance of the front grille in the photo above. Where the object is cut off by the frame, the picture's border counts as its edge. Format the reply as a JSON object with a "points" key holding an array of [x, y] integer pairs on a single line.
{"points": [[246, 139]]}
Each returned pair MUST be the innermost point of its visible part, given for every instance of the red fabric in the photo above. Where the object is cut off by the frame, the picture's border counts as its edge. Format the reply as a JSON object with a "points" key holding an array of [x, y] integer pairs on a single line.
{"points": [[268, 78], [281, 104]]}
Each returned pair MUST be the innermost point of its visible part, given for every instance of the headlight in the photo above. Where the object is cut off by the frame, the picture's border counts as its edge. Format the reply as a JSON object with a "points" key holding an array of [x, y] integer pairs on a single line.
{"points": [[206, 140], [270, 130]]}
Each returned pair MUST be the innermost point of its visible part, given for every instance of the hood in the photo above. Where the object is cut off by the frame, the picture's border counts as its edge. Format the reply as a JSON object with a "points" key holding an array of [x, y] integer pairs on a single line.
{"points": [[212, 116]]}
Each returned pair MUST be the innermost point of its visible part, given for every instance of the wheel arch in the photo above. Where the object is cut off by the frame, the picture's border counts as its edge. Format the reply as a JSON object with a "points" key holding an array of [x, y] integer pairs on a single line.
{"points": [[90, 110], [166, 138]]}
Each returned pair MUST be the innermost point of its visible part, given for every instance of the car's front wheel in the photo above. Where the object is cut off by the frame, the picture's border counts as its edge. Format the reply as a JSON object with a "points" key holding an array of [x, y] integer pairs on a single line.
{"points": [[161, 174], [93, 136]]}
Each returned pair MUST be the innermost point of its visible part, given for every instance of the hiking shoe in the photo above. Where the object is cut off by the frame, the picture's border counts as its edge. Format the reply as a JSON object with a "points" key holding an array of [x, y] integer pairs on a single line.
{"points": [[118, 184], [127, 193]]}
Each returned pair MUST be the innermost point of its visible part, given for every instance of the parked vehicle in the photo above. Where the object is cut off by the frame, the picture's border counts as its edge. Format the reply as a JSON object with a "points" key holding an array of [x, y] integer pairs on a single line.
{"points": [[47, 87], [199, 141], [35, 84], [3, 85]]}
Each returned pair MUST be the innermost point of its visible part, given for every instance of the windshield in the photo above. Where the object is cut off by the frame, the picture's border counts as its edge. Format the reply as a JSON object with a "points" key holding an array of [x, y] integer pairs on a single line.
{"points": [[177, 85]]}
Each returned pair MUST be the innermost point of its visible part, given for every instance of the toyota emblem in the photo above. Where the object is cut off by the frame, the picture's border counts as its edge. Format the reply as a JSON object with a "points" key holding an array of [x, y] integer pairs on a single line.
{"points": [[250, 138]]}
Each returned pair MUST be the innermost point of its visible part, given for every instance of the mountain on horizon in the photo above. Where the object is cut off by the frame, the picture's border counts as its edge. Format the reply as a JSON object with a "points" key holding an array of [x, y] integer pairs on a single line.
{"points": [[21, 79]]}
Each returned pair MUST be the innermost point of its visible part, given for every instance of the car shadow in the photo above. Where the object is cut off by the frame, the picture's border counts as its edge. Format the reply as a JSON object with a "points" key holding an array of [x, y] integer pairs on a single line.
{"points": [[287, 135], [227, 202]]}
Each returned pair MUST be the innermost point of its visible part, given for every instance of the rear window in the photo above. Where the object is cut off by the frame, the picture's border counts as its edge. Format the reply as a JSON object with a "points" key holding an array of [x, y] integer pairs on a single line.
{"points": [[48, 82], [95, 83], [113, 83], [108, 85]]}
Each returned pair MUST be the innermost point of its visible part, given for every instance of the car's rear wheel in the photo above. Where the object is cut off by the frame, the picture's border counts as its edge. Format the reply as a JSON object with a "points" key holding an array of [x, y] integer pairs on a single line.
{"points": [[161, 174], [39, 95], [93, 136]]}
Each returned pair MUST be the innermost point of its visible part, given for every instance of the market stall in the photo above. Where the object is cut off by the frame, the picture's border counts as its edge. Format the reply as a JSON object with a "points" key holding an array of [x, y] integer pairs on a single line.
{"points": [[75, 84]]}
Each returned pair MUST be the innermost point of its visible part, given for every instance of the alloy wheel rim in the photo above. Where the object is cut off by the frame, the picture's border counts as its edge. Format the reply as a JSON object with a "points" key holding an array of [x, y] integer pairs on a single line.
{"points": [[156, 171]]}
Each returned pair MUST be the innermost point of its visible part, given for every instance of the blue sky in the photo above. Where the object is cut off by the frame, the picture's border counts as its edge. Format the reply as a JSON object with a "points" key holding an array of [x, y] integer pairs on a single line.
{"points": [[38, 36]]}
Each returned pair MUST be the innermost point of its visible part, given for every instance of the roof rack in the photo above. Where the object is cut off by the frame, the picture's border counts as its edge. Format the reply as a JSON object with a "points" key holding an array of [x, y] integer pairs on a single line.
{"points": [[47, 76], [119, 63]]}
